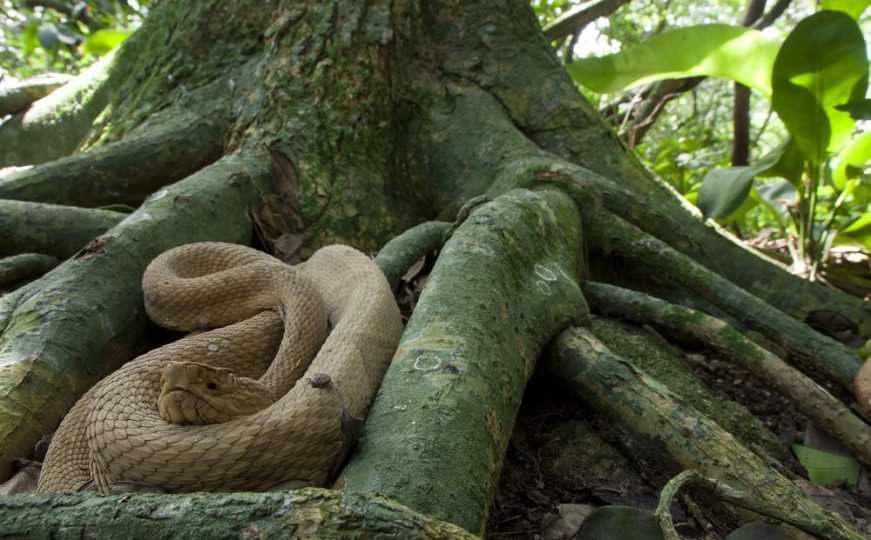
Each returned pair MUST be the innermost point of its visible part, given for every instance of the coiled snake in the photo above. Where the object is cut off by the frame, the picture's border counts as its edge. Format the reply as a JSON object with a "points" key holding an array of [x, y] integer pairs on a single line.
{"points": [[330, 323]]}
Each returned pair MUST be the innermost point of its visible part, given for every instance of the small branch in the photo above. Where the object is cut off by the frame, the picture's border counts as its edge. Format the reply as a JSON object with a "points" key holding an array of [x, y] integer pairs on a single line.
{"points": [[807, 396], [574, 20]]}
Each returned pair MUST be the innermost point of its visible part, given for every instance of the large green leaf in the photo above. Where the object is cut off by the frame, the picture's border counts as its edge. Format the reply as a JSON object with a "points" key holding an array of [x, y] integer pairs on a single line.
{"points": [[822, 64], [103, 41], [790, 163], [724, 190], [717, 50], [851, 159], [853, 8]]}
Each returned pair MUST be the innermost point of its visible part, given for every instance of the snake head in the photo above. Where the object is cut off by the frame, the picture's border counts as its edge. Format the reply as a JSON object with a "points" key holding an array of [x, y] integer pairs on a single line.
{"points": [[194, 393]]}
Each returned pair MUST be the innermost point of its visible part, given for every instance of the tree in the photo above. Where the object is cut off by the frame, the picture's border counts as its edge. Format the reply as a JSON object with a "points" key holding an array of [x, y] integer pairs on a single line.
{"points": [[338, 121]]}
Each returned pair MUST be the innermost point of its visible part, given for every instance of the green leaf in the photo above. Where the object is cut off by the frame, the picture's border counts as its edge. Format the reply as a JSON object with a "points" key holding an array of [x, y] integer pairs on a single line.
{"points": [[723, 191], [858, 232], [717, 50], [859, 110], [821, 64], [103, 41], [853, 8], [825, 469], [851, 159], [790, 163]]}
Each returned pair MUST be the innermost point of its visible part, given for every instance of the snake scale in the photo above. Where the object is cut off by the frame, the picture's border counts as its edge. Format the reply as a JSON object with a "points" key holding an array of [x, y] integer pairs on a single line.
{"points": [[254, 402]]}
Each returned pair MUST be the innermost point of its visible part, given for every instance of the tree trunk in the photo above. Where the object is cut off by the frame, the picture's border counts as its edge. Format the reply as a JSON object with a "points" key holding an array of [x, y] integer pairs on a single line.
{"points": [[348, 122]]}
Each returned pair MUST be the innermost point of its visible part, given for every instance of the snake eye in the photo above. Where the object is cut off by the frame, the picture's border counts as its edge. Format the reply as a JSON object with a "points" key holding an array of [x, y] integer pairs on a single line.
{"points": [[212, 386]]}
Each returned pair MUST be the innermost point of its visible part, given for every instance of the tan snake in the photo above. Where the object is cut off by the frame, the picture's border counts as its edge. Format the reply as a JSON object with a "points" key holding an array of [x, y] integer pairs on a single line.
{"points": [[332, 326]]}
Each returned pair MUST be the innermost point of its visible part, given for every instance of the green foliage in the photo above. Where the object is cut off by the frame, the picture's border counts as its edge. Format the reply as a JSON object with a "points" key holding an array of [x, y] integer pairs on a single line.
{"points": [[717, 50], [816, 81], [823, 63], [66, 37]]}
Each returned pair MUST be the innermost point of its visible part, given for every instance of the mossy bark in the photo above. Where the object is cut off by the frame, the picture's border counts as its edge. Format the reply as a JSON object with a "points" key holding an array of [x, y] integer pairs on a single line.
{"points": [[673, 430], [308, 513], [50, 229], [504, 283]]}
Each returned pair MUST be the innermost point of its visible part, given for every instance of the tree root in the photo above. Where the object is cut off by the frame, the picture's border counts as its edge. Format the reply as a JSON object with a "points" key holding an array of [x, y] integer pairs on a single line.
{"points": [[619, 238], [25, 266], [18, 96], [810, 398], [307, 513], [502, 286], [397, 255], [667, 427], [812, 523], [55, 125], [61, 333], [50, 229], [126, 171]]}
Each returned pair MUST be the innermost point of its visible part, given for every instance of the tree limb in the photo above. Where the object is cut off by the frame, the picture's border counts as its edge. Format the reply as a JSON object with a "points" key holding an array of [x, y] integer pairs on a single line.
{"points": [[574, 20]]}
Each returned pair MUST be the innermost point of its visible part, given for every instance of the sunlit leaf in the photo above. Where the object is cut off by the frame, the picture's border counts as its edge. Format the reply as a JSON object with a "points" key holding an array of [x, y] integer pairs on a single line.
{"points": [[717, 50], [821, 64], [851, 159], [858, 232], [853, 8], [103, 41]]}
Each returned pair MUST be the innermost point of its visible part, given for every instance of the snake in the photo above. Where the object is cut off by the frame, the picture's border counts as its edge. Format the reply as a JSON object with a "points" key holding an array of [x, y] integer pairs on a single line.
{"points": [[255, 397]]}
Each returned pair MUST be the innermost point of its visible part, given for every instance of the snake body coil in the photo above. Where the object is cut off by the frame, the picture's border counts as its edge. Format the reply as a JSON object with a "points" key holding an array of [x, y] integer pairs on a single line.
{"points": [[331, 324]]}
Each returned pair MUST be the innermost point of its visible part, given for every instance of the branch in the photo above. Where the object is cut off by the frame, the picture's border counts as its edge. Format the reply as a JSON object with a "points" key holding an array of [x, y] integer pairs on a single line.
{"points": [[574, 20], [397, 256]]}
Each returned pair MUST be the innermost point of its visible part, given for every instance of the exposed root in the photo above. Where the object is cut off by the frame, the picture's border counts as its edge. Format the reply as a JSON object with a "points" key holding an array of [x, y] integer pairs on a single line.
{"points": [[51, 229], [687, 437], [814, 523], [23, 267], [809, 397], [617, 237], [401, 252], [16, 97], [126, 171]]}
